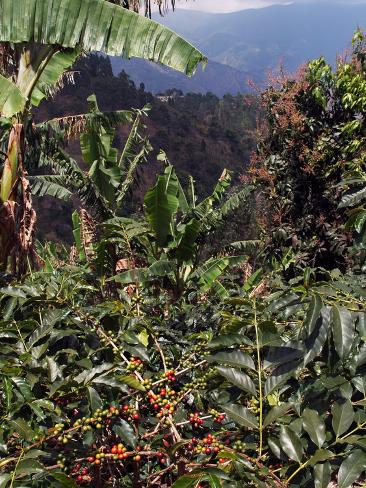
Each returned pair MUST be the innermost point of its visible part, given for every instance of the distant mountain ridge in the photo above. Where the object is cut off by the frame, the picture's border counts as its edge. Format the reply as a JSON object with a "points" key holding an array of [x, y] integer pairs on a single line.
{"points": [[247, 44], [216, 78]]}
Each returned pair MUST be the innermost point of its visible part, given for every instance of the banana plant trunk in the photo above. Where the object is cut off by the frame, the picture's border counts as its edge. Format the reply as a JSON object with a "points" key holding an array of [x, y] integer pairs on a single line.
{"points": [[17, 216]]}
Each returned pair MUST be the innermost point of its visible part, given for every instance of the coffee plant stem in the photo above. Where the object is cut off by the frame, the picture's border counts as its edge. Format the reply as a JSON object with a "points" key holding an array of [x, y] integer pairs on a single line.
{"points": [[101, 332], [155, 431], [359, 427], [21, 337], [138, 310], [174, 430], [259, 370], [179, 373], [15, 469], [161, 353], [305, 464], [363, 401], [295, 473], [188, 422], [6, 461], [159, 475], [184, 395], [201, 363]]}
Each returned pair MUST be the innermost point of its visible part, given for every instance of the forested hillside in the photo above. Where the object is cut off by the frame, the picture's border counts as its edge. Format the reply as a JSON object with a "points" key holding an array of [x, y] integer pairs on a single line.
{"points": [[201, 134]]}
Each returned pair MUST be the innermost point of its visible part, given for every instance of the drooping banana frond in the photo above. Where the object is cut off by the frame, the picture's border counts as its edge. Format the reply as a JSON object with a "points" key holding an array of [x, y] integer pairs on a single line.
{"points": [[245, 246], [133, 139], [206, 207], [74, 125], [14, 96], [11, 99], [122, 229], [136, 160], [88, 234], [208, 273], [110, 178], [95, 25], [77, 182], [161, 205], [7, 60], [50, 185], [52, 77], [213, 220], [135, 152]]}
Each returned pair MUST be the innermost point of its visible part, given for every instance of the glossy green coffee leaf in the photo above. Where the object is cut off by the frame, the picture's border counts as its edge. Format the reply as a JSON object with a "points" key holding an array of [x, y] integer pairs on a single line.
{"points": [[291, 444]]}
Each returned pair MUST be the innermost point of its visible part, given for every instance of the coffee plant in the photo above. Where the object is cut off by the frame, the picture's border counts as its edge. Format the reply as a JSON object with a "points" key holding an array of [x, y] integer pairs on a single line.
{"points": [[105, 390]]}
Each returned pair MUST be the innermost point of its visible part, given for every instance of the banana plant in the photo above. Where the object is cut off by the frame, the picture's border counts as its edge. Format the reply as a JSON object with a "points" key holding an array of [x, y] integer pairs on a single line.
{"points": [[103, 188], [40, 40], [172, 236]]}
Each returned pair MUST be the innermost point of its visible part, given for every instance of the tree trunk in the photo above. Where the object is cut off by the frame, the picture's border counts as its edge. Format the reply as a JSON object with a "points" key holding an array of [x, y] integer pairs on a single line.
{"points": [[17, 216]]}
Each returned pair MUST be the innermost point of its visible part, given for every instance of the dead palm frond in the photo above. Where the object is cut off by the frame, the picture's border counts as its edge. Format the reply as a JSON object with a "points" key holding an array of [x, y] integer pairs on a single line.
{"points": [[7, 60], [146, 5]]}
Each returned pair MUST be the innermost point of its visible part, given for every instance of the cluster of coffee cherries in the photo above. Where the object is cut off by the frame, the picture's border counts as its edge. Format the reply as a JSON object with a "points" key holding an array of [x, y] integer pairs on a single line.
{"points": [[58, 430], [200, 382], [135, 364], [110, 335], [239, 446], [163, 402], [195, 420], [147, 383], [254, 405], [81, 474], [208, 446], [128, 413], [217, 416], [170, 375], [99, 420], [116, 452], [197, 350]]}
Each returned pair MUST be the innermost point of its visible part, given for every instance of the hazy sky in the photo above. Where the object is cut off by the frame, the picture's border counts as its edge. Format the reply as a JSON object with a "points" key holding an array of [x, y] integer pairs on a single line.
{"points": [[232, 5]]}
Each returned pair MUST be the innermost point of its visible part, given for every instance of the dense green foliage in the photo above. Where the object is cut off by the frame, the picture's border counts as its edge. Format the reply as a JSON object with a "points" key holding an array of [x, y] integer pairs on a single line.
{"points": [[310, 163], [146, 356]]}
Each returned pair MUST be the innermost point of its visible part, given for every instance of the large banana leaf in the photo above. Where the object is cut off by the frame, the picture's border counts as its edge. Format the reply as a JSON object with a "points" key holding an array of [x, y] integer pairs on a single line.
{"points": [[73, 125], [158, 269], [186, 247], [212, 220], [52, 74], [207, 206], [11, 99], [106, 178], [51, 185], [213, 268], [95, 25], [161, 204]]}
